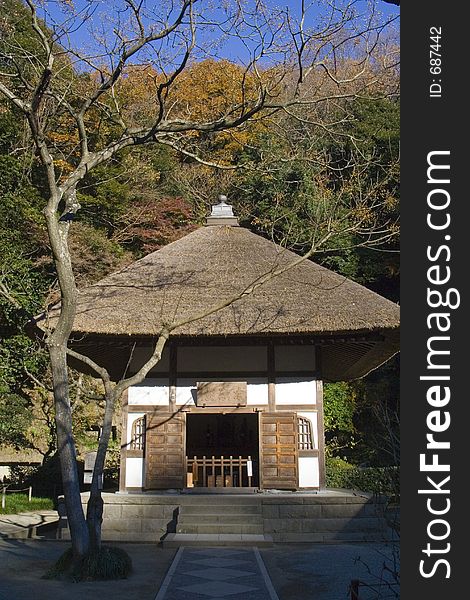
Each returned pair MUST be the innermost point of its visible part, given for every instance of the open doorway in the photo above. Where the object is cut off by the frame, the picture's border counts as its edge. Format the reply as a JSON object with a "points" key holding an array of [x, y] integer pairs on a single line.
{"points": [[222, 450]]}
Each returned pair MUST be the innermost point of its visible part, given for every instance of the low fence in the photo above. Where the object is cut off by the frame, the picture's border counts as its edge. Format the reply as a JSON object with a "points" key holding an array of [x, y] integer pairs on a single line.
{"points": [[219, 471], [5, 490], [375, 591]]}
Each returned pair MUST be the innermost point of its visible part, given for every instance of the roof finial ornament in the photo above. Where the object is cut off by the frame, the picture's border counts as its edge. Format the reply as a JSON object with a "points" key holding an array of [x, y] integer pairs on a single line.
{"points": [[222, 213]]}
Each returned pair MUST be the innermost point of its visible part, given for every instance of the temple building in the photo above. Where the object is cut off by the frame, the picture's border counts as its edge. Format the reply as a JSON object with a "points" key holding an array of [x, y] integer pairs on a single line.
{"points": [[236, 399]]}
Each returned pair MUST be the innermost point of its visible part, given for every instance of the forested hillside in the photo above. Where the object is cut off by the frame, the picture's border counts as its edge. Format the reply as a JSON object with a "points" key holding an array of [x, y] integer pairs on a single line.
{"points": [[290, 175]]}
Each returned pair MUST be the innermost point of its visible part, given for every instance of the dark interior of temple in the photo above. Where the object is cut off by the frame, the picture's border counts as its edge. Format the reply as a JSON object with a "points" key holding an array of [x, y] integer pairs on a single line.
{"points": [[232, 435]]}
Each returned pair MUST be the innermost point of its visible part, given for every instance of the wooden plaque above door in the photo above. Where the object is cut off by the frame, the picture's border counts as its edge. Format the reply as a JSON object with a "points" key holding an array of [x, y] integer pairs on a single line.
{"points": [[221, 393]]}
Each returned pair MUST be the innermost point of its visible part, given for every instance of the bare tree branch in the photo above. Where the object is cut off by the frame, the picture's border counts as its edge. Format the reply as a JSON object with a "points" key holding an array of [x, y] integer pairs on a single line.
{"points": [[291, 64]]}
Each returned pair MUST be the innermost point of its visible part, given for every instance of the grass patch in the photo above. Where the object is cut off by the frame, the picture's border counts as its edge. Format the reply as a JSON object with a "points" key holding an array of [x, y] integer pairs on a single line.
{"points": [[16, 503], [107, 563]]}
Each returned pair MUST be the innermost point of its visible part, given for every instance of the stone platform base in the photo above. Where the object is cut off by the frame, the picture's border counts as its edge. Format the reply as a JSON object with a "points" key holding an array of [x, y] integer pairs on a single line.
{"points": [[328, 516]]}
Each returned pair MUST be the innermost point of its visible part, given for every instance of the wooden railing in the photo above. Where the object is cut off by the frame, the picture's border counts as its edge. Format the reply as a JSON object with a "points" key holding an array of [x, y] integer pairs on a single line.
{"points": [[219, 471]]}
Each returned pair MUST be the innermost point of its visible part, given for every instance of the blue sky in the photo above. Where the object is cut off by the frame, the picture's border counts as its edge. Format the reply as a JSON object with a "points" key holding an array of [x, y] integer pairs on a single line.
{"points": [[103, 16]]}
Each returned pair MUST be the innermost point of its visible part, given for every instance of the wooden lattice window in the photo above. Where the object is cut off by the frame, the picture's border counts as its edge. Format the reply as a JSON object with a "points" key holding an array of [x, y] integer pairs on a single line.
{"points": [[305, 434], [138, 434]]}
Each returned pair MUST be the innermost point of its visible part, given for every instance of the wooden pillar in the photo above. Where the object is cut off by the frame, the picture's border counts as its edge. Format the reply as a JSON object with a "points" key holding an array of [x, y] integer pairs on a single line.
{"points": [[320, 420], [271, 378], [173, 375], [124, 442]]}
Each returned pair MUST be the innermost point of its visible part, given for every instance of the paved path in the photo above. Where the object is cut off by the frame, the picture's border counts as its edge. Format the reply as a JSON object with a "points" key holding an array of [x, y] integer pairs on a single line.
{"points": [[297, 571], [23, 562], [217, 574], [325, 571], [26, 525]]}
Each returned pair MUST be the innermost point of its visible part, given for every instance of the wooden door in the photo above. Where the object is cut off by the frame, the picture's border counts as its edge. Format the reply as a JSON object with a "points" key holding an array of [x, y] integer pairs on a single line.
{"points": [[279, 451], [164, 451]]}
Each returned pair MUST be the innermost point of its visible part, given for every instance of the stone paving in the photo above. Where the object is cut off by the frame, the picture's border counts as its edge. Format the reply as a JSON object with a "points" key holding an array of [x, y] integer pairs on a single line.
{"points": [[325, 571], [26, 525], [217, 574], [24, 562]]}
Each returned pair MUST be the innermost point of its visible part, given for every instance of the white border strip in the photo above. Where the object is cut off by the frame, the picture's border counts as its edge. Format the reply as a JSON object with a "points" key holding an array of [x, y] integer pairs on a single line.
{"points": [[166, 582], [265, 574]]}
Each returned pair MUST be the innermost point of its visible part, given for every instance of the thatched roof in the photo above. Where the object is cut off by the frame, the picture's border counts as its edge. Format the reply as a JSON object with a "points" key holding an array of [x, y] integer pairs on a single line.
{"points": [[216, 263]]}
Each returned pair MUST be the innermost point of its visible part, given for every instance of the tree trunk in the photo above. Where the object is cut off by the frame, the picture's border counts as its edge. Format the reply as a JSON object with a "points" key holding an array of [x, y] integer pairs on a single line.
{"points": [[94, 517], [67, 454], [94, 514]]}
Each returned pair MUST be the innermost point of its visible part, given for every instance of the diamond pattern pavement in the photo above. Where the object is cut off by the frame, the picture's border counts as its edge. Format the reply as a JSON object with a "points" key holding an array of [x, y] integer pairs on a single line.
{"points": [[220, 562], [217, 574], [214, 588]]}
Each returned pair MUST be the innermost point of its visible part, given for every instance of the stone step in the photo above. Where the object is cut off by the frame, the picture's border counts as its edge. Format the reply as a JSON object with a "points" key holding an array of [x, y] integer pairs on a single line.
{"points": [[220, 491], [174, 540], [228, 519], [219, 496], [219, 528], [221, 509]]}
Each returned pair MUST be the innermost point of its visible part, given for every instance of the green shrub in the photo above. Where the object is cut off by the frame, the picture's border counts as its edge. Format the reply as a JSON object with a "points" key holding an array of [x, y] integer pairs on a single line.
{"points": [[108, 562], [111, 468], [337, 472], [376, 480]]}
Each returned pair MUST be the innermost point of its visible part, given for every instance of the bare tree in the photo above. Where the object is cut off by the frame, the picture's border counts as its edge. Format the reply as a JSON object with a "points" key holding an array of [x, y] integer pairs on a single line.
{"points": [[55, 84]]}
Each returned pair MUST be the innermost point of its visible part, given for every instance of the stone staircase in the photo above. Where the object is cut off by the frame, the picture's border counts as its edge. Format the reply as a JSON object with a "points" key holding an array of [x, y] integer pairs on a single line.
{"points": [[220, 522], [220, 518]]}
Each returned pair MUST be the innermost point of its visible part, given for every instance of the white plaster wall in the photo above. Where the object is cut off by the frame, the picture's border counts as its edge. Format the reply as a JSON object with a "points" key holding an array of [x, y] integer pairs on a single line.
{"points": [[153, 392], [134, 465], [289, 390], [222, 358], [257, 392], [183, 391], [309, 474], [134, 472], [294, 358], [293, 390]]}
